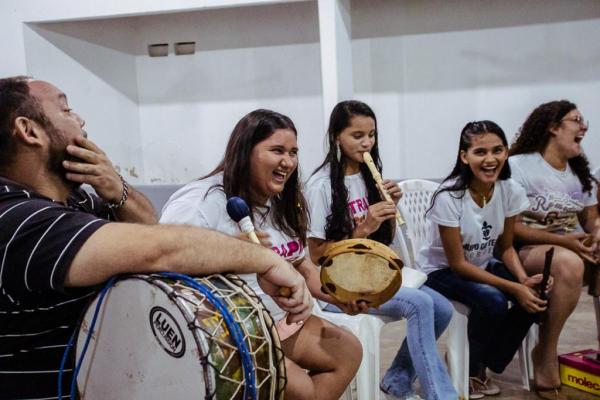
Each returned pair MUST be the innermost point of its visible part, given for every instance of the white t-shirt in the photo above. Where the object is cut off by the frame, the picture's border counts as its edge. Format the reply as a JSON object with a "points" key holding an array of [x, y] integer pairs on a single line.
{"points": [[555, 197], [318, 196], [479, 227], [195, 204]]}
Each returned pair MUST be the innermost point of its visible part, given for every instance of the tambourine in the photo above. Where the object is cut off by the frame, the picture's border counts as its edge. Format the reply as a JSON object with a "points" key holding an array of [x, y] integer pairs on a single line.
{"points": [[360, 270]]}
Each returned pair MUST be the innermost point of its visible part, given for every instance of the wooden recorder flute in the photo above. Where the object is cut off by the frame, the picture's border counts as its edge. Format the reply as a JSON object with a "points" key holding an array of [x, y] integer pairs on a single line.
{"points": [[377, 176]]}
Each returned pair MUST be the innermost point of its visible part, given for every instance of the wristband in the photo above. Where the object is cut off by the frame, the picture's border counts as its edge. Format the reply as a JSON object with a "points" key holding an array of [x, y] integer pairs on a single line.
{"points": [[119, 204]]}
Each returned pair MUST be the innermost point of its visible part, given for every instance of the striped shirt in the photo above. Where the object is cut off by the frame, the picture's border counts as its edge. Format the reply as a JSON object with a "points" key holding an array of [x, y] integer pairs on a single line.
{"points": [[38, 240]]}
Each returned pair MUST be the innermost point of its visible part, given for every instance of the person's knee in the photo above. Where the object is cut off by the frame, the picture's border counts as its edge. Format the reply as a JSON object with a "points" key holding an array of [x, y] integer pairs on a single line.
{"points": [[491, 302], [567, 268], [442, 311], [351, 351]]}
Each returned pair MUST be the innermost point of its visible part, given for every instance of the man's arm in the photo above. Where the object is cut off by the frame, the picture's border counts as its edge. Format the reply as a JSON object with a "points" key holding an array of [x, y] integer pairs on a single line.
{"points": [[137, 208], [119, 248], [95, 168]]}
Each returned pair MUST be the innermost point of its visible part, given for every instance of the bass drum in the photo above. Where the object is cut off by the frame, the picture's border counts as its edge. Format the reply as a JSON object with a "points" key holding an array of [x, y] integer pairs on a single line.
{"points": [[161, 338]]}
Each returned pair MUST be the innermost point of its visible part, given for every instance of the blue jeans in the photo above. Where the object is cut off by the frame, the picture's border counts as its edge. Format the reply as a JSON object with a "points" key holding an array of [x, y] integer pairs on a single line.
{"points": [[495, 331], [428, 314]]}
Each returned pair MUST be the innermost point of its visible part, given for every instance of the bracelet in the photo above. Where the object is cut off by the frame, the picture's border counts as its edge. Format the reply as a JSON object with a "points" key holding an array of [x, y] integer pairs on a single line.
{"points": [[124, 196]]}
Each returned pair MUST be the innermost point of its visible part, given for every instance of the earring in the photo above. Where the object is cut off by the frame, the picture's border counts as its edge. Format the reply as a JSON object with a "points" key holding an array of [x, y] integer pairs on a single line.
{"points": [[338, 152]]}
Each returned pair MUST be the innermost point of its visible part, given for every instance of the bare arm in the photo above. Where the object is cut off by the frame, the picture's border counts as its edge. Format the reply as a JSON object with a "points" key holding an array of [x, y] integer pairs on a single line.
{"points": [[316, 248], [137, 208], [451, 241], [589, 219], [118, 248], [507, 252], [313, 281], [571, 241]]}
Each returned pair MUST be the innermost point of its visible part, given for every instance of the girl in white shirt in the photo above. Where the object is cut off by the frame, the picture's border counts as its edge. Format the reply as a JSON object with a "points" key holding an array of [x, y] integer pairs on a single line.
{"points": [[344, 202], [548, 161], [472, 218], [260, 165]]}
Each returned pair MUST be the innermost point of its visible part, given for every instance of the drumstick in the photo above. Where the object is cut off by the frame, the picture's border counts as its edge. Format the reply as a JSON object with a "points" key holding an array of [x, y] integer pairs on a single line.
{"points": [[239, 211], [377, 176]]}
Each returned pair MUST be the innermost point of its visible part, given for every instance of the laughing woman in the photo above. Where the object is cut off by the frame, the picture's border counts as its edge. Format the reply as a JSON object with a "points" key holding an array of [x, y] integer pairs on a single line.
{"points": [[548, 161], [260, 165], [473, 215]]}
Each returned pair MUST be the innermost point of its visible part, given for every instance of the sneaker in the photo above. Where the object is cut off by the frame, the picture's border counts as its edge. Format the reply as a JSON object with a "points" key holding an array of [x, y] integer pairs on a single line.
{"points": [[475, 390]]}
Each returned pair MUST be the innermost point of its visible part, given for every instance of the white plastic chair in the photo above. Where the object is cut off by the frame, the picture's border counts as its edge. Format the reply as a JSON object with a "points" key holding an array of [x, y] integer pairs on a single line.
{"points": [[415, 201]]}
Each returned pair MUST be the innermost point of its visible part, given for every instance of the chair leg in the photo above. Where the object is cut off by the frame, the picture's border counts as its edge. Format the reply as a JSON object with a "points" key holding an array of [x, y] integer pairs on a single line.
{"points": [[525, 360], [458, 350], [367, 378], [597, 310]]}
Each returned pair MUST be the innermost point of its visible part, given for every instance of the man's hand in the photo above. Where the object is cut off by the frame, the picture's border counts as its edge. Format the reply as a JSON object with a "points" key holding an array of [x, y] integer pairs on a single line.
{"points": [[94, 168], [282, 275]]}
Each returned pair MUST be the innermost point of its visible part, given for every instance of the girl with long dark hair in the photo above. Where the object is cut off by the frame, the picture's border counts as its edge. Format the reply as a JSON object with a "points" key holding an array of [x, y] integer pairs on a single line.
{"points": [[548, 161], [344, 203], [472, 216], [260, 165]]}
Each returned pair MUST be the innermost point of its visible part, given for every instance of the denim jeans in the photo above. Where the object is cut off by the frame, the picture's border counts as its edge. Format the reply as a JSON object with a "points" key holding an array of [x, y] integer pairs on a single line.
{"points": [[495, 331], [428, 314]]}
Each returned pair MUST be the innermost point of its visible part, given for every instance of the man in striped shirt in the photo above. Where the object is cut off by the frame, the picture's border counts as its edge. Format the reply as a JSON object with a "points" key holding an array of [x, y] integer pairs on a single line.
{"points": [[57, 244]]}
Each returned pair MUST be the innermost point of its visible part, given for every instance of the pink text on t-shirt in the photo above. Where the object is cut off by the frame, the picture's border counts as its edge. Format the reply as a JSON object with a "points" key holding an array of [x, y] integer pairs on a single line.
{"points": [[289, 249], [358, 206]]}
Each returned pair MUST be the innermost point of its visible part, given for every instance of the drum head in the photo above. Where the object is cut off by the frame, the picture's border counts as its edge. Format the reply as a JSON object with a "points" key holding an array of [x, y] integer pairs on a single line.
{"points": [[157, 338], [360, 269]]}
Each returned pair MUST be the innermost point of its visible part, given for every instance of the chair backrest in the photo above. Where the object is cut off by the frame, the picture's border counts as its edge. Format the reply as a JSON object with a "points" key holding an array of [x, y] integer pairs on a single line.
{"points": [[416, 196]]}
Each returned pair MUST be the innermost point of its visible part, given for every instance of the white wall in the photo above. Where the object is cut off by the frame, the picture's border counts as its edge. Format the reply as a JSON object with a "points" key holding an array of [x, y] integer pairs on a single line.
{"points": [[92, 62], [255, 57], [427, 68]]}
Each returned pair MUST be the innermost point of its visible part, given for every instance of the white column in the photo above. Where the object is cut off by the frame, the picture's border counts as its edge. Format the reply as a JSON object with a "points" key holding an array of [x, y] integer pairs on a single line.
{"points": [[336, 53]]}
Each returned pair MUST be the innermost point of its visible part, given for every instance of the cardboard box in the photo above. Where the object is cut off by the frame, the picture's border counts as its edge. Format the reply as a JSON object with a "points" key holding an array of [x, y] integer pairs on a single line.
{"points": [[579, 371]]}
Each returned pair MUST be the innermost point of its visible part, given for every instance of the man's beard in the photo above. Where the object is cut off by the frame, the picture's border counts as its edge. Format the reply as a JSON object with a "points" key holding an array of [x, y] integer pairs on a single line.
{"points": [[57, 154]]}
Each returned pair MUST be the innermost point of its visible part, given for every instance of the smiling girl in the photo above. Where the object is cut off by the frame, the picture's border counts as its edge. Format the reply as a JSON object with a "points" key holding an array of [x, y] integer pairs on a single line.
{"points": [[548, 161], [472, 218], [345, 203], [261, 166]]}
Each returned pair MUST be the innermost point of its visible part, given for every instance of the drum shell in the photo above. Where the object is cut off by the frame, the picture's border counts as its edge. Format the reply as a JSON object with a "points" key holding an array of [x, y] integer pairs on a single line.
{"points": [[153, 341]]}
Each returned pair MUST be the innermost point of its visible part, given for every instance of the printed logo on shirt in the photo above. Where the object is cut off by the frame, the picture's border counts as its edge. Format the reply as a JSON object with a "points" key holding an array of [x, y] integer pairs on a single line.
{"points": [[486, 229], [485, 247], [554, 212], [358, 206], [289, 249], [557, 202]]}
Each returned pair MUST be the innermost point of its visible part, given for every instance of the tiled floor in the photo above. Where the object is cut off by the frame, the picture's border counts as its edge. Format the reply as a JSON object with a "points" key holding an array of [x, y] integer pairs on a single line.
{"points": [[579, 333]]}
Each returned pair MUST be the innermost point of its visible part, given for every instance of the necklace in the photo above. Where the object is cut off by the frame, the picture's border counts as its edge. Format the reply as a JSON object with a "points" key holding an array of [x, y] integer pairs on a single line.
{"points": [[484, 196]]}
